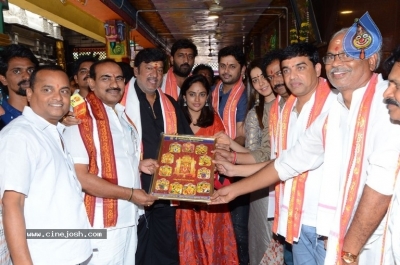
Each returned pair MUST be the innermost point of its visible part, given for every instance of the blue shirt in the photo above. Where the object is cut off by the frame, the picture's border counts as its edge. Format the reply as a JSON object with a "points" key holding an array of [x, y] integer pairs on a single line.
{"points": [[10, 114], [241, 107]]}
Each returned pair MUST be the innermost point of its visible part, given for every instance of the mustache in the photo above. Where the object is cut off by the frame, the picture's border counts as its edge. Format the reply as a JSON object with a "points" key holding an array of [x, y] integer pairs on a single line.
{"points": [[391, 101], [278, 85], [113, 88], [338, 69], [185, 64], [23, 82]]}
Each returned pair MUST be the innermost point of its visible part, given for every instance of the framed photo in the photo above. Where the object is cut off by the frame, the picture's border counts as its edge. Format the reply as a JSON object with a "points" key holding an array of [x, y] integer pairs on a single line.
{"points": [[186, 170]]}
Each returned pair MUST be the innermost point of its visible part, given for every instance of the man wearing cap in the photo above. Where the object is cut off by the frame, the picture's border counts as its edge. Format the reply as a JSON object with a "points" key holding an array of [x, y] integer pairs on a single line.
{"points": [[354, 140]]}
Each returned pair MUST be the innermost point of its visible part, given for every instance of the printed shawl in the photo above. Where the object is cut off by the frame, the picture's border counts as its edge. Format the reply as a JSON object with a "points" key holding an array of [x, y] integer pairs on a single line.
{"points": [[298, 182], [108, 165]]}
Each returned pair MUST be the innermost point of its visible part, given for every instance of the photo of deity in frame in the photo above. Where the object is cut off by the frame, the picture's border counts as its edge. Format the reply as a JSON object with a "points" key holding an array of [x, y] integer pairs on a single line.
{"points": [[186, 170]]}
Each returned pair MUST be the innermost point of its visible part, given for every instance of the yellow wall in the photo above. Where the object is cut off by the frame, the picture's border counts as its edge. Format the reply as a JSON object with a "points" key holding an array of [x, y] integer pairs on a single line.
{"points": [[66, 15]]}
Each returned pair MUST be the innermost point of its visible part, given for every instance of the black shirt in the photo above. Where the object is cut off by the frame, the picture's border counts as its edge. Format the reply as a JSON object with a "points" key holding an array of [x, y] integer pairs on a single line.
{"points": [[152, 128]]}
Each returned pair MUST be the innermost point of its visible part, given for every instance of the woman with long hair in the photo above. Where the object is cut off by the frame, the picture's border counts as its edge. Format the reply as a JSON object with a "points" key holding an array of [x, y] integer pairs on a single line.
{"points": [[257, 119], [205, 232]]}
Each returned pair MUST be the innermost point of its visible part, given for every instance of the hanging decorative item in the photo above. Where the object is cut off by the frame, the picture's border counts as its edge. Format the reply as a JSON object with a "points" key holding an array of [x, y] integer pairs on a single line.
{"points": [[304, 31], [115, 35], [305, 26], [293, 36]]}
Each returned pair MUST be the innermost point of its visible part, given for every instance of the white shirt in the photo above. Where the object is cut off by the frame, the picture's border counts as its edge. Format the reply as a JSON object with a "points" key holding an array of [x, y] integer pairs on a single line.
{"points": [[379, 161], [296, 128], [126, 147], [33, 162], [392, 245]]}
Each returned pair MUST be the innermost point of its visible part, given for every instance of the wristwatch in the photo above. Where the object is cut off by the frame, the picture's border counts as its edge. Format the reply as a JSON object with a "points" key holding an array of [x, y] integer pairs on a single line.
{"points": [[348, 257]]}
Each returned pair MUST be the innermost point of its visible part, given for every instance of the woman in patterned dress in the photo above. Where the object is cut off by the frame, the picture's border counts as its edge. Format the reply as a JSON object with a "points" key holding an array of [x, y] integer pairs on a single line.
{"points": [[260, 101]]}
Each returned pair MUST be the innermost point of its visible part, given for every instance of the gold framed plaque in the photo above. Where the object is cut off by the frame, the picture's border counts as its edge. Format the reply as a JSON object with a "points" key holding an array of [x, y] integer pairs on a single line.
{"points": [[186, 170]]}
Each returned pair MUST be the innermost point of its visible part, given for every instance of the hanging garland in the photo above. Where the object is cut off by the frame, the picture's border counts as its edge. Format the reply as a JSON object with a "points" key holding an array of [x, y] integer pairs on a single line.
{"points": [[303, 33]]}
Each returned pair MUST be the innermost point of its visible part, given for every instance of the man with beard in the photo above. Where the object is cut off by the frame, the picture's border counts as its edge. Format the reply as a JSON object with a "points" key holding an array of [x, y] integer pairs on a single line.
{"points": [[154, 113], [183, 53], [354, 140], [108, 167], [16, 66]]}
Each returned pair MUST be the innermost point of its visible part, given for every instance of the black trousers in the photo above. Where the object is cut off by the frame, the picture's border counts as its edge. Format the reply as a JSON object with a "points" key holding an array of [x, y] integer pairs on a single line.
{"points": [[157, 238], [239, 209]]}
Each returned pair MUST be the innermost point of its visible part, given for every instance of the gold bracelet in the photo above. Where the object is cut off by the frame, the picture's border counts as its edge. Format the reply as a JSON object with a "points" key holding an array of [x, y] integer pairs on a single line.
{"points": [[130, 197]]}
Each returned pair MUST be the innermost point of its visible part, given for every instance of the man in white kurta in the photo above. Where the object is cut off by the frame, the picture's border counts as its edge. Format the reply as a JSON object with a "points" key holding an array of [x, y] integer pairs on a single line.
{"points": [[363, 236], [120, 245], [392, 97], [311, 96]]}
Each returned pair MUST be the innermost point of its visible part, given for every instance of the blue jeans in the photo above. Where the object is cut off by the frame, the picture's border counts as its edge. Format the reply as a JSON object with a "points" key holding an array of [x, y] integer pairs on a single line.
{"points": [[309, 250]]}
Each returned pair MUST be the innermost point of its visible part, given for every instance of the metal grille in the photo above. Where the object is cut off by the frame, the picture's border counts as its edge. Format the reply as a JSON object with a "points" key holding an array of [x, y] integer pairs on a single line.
{"points": [[99, 54]]}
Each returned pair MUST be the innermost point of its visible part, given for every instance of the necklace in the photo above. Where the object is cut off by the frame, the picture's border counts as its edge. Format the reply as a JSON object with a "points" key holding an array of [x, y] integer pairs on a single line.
{"points": [[151, 102]]}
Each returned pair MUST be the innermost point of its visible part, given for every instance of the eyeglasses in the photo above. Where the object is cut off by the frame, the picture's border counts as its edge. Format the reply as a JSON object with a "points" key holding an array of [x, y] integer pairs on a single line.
{"points": [[257, 79], [277, 74], [344, 57]]}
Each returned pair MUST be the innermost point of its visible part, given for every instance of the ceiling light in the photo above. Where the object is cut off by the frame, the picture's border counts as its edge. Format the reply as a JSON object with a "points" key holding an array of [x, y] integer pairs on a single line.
{"points": [[345, 12], [213, 16], [215, 8]]}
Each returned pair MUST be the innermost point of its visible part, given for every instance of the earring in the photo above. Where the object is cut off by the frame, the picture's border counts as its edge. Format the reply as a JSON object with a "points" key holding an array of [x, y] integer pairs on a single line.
{"points": [[257, 102], [184, 103], [206, 104]]}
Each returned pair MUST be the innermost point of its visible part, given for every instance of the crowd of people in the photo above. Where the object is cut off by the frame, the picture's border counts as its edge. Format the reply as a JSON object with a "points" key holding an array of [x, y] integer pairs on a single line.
{"points": [[306, 167]]}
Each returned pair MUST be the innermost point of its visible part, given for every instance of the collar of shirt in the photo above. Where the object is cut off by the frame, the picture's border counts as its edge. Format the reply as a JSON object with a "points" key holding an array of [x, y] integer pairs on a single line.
{"points": [[140, 94], [39, 122], [10, 111], [357, 94]]}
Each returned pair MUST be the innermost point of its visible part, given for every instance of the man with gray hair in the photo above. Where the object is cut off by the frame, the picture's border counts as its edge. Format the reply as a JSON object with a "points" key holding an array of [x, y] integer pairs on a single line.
{"points": [[354, 140]]}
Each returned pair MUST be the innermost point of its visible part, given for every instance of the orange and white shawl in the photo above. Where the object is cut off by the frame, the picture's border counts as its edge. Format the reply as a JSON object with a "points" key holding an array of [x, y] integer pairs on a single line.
{"points": [[366, 136], [169, 85], [229, 114], [295, 207], [109, 167], [132, 109]]}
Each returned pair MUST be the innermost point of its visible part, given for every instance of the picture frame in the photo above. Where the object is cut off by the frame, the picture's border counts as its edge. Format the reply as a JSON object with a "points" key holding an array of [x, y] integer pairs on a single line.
{"points": [[186, 170]]}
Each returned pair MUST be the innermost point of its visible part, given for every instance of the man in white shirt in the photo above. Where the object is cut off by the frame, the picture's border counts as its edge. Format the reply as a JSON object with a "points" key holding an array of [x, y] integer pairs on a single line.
{"points": [[38, 183], [296, 218], [105, 147], [360, 170], [392, 99]]}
